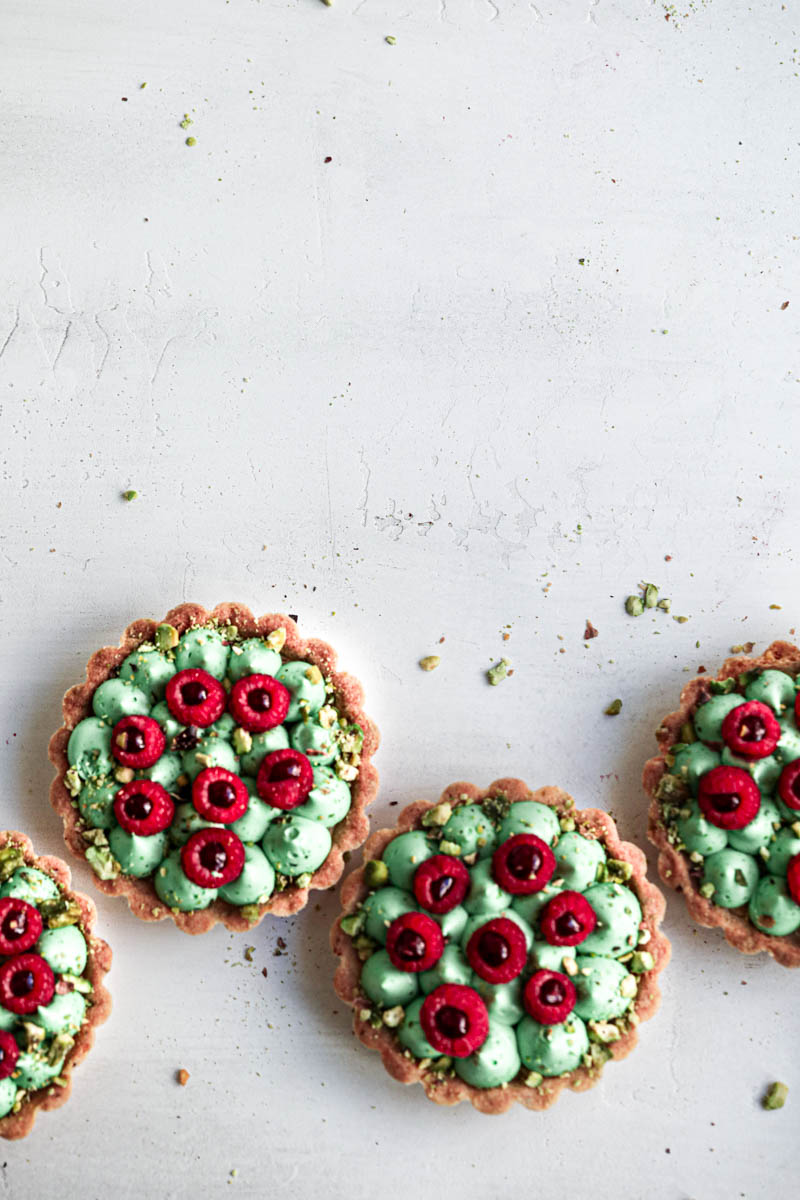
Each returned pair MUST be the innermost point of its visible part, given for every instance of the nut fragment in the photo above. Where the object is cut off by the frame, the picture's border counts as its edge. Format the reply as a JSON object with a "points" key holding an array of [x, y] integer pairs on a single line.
{"points": [[775, 1096], [498, 672], [166, 637], [614, 707], [430, 662], [182, 1077], [277, 639], [634, 606], [313, 674]]}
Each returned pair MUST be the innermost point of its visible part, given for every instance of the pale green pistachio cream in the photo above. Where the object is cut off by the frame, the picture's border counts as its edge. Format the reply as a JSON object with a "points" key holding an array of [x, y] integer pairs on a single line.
{"points": [[604, 967], [45, 1036], [280, 847], [738, 868]]}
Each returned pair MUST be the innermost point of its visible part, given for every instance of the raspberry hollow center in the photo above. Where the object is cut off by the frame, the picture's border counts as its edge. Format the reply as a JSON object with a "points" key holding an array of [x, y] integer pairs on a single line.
{"points": [[410, 946], [452, 1022], [14, 926], [494, 948], [213, 857], [753, 728], [259, 700], [727, 802], [222, 794], [139, 807], [22, 983], [524, 862], [194, 693], [567, 925], [553, 992]]}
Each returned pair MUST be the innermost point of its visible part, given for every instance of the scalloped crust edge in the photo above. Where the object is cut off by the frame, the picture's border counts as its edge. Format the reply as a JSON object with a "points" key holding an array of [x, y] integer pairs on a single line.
{"points": [[351, 832], [19, 1125], [673, 866], [589, 821]]}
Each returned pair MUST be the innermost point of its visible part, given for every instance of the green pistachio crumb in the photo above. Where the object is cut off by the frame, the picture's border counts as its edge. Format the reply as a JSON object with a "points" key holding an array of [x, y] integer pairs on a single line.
{"points": [[129, 495], [123, 774], [34, 1034], [229, 632], [628, 986], [391, 40], [533, 1079], [60, 1046], [634, 606], [249, 951], [191, 141], [665, 605], [681, 620], [166, 637], [614, 708], [78, 983], [72, 781], [442, 1064], [303, 880], [59, 912], [439, 815], [642, 961], [498, 672], [619, 871], [775, 1096], [376, 873], [430, 662], [102, 862], [605, 1032], [364, 1014], [650, 595], [722, 687], [249, 912], [242, 740], [687, 733], [186, 122], [394, 1016], [446, 847], [11, 858], [353, 923]]}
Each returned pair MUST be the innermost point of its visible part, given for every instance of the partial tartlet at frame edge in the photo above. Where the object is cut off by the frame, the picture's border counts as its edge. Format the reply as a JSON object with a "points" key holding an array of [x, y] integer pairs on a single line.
{"points": [[19, 1124], [448, 1089], [673, 865], [351, 832]]}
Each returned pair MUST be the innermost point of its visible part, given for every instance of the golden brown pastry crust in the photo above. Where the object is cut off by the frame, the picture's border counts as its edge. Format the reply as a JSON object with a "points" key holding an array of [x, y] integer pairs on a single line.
{"points": [[351, 832], [19, 1124], [448, 1090], [673, 865]]}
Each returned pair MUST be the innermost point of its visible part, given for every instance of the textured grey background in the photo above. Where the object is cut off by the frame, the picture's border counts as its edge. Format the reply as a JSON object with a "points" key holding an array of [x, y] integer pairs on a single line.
{"points": [[538, 287]]}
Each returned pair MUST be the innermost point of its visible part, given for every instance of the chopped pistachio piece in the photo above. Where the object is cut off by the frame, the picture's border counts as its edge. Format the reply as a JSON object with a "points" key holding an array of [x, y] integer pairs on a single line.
{"points": [[129, 495], [440, 814], [124, 774], [327, 716], [277, 639], [650, 595], [242, 740], [722, 687], [376, 873], [628, 986], [102, 862], [250, 912], [345, 771], [604, 1031], [619, 871], [533, 1079], [60, 1046], [665, 605], [166, 637], [229, 632], [642, 961], [77, 983], [430, 662], [72, 781], [570, 965], [681, 620], [313, 674], [34, 1034], [614, 707], [11, 858], [392, 41], [353, 923], [394, 1016], [706, 890], [634, 606], [59, 912], [775, 1096], [498, 672], [446, 847]]}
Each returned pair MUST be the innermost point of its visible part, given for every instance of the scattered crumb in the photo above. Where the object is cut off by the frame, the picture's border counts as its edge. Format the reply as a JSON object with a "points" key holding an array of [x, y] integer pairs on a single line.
{"points": [[129, 495], [248, 953], [430, 662], [590, 631], [776, 606], [614, 707], [182, 1077], [775, 1096], [785, 304], [745, 648], [498, 672]]}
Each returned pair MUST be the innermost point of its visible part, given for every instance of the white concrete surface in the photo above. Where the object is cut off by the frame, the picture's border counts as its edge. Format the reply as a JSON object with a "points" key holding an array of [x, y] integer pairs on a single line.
{"points": [[522, 338]]}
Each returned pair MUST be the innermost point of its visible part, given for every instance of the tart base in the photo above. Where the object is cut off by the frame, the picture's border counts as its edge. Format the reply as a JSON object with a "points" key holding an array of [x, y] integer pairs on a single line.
{"points": [[449, 1091], [19, 1124], [140, 893], [673, 866]]}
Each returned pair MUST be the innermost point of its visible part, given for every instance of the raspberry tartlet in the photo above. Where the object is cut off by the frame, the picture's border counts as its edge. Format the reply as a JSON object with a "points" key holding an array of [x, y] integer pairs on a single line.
{"points": [[725, 801], [214, 767], [546, 955], [52, 996]]}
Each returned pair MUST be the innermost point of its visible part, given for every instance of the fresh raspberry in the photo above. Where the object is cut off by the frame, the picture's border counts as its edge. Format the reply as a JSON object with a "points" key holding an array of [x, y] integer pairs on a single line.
{"points": [[454, 1020], [728, 797], [441, 883], [9, 1053], [213, 857], [567, 919], [549, 997], [143, 807], [751, 730], [20, 925], [284, 778], [523, 864], [26, 981], [259, 702], [497, 950], [414, 942], [195, 698], [137, 742], [793, 878], [219, 795], [789, 784]]}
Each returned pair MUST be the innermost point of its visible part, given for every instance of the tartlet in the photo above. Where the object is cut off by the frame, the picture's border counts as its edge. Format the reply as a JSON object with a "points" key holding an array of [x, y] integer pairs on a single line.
{"points": [[52, 997], [516, 932], [214, 767], [725, 801]]}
